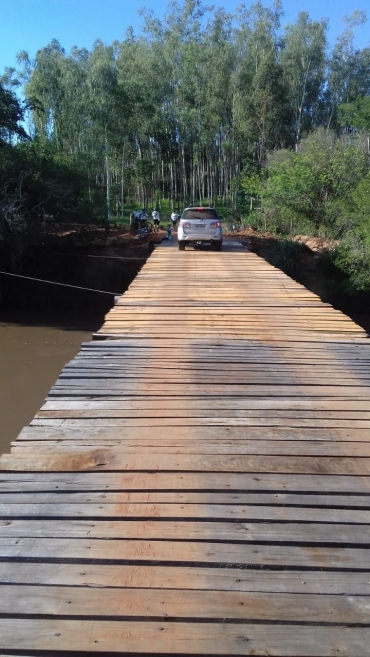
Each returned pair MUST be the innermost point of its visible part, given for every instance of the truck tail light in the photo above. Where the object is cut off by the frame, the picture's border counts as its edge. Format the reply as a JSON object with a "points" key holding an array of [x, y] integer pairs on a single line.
{"points": [[215, 224], [185, 224]]}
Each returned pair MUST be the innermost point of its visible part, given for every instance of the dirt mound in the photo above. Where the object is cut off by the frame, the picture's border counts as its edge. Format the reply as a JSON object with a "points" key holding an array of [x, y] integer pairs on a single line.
{"points": [[316, 243], [256, 240], [96, 239]]}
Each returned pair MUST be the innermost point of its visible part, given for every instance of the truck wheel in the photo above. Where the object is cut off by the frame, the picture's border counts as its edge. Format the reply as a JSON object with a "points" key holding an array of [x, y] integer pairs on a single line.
{"points": [[181, 246]]}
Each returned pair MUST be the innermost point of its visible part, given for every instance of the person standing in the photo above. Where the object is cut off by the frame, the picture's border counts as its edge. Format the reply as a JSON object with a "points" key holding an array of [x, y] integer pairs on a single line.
{"points": [[156, 218], [174, 219]]}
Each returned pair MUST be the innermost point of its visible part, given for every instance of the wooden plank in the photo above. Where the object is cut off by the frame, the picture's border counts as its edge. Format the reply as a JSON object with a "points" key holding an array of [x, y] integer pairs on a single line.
{"points": [[274, 341], [176, 403], [292, 336], [212, 366], [147, 496], [183, 604], [109, 459], [244, 447], [94, 386], [212, 369], [356, 419], [222, 435], [170, 577], [186, 481], [244, 532], [239, 378], [247, 319], [172, 638], [167, 423], [105, 481], [233, 346], [205, 327], [210, 511], [119, 418], [220, 357], [187, 553]]}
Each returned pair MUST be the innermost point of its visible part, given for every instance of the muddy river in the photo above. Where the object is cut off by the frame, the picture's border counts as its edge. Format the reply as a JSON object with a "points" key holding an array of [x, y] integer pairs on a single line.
{"points": [[34, 346]]}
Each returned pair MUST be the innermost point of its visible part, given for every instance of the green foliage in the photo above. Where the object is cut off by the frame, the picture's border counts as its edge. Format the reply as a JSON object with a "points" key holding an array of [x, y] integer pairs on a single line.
{"points": [[355, 114], [11, 115], [38, 185], [178, 110], [310, 184], [353, 253], [249, 188], [252, 179], [303, 60]]}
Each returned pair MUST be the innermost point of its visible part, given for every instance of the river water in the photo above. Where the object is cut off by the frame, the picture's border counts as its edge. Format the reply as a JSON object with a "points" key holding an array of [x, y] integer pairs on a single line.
{"points": [[34, 347]]}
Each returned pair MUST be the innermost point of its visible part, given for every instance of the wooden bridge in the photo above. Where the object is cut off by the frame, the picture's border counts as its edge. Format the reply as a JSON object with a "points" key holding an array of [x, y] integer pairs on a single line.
{"points": [[197, 481]]}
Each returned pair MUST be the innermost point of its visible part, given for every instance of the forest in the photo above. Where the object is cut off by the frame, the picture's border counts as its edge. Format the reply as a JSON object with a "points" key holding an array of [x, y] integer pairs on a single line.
{"points": [[262, 119]]}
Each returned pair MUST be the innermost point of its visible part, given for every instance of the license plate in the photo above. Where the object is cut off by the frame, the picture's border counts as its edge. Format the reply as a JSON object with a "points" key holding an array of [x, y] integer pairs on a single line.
{"points": [[199, 226]]}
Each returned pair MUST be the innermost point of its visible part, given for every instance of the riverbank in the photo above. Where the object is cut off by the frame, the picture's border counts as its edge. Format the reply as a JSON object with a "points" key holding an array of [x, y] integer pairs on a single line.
{"points": [[43, 325], [83, 256]]}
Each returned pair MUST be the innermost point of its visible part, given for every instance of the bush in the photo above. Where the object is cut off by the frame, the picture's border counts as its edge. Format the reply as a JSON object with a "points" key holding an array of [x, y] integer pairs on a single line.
{"points": [[353, 253], [283, 255], [306, 189]]}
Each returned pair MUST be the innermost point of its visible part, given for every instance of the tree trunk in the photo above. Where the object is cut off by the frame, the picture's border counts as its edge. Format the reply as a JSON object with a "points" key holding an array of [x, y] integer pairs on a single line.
{"points": [[122, 183], [109, 216]]}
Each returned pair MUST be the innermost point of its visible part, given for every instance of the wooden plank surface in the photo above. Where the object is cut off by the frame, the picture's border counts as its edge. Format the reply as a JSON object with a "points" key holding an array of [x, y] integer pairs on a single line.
{"points": [[279, 529], [197, 480], [185, 481], [180, 603], [171, 497], [180, 638], [111, 459], [121, 576]]}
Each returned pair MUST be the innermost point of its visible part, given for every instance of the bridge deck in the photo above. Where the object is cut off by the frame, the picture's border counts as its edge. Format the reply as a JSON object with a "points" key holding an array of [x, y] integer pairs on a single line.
{"points": [[197, 481]]}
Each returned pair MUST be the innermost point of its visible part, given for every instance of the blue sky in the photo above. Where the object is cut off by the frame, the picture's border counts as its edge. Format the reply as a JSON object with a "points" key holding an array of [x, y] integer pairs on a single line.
{"points": [[31, 24]]}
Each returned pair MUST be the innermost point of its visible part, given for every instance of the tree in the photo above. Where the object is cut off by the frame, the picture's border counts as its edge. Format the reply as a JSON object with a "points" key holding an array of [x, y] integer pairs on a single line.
{"points": [[270, 116], [179, 110], [257, 45], [345, 68], [11, 115], [310, 185], [303, 61]]}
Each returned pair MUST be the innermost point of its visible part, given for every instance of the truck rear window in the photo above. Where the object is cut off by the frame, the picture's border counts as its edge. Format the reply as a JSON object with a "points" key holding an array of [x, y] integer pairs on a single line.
{"points": [[199, 213]]}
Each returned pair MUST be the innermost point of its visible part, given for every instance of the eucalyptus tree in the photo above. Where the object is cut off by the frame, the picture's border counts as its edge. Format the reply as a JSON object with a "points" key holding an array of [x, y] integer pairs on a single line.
{"points": [[271, 117], [303, 58], [216, 102], [183, 39], [257, 41], [101, 83], [178, 111], [44, 81], [142, 79], [344, 66]]}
